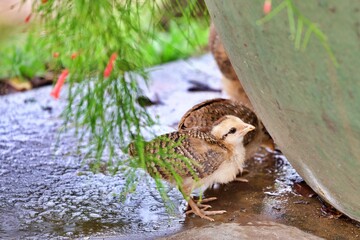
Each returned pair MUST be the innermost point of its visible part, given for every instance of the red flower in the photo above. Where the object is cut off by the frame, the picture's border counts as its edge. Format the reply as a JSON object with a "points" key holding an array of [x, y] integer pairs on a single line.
{"points": [[110, 65], [267, 6], [27, 19], [44, 1], [74, 55], [60, 82], [56, 54]]}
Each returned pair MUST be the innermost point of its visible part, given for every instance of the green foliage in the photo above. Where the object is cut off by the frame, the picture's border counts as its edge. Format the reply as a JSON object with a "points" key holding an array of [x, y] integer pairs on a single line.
{"points": [[22, 57], [85, 34], [174, 43], [81, 36], [296, 31], [30, 54]]}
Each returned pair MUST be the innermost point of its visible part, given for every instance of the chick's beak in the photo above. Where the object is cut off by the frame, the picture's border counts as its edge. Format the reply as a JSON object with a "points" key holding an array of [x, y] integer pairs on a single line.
{"points": [[247, 128]]}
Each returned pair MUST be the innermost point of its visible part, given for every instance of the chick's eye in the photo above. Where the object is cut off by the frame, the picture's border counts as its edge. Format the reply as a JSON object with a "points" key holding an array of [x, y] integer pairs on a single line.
{"points": [[232, 131]]}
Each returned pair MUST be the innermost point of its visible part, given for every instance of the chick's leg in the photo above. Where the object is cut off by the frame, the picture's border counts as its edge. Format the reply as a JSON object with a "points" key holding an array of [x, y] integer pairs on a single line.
{"points": [[201, 212], [241, 179], [199, 203], [205, 200]]}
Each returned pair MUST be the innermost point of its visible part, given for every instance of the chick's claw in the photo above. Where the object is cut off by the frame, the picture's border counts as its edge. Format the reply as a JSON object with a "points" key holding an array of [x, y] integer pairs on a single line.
{"points": [[205, 200], [195, 208], [211, 213], [240, 179], [199, 203]]}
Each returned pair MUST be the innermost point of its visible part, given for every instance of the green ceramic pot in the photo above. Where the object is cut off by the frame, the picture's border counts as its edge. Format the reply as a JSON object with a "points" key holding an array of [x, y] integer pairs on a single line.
{"points": [[308, 99]]}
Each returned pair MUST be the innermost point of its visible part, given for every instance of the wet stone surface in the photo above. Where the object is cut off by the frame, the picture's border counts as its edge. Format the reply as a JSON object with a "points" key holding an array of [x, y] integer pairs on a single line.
{"points": [[256, 230], [46, 191]]}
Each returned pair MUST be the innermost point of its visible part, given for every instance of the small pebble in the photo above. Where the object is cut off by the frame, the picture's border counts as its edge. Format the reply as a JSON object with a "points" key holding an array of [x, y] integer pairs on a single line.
{"points": [[50, 204], [94, 215]]}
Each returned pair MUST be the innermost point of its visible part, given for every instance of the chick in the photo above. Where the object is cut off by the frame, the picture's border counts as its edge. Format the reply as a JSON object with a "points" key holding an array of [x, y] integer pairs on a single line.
{"points": [[206, 113], [215, 154], [230, 81]]}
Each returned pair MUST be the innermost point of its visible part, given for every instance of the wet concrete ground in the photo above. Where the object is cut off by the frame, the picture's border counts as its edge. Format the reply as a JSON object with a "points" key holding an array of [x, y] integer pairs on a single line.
{"points": [[45, 191]]}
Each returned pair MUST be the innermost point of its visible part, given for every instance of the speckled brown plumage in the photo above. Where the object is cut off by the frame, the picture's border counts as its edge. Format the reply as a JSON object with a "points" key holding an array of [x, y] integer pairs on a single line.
{"points": [[217, 49], [230, 81], [197, 145], [206, 113]]}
